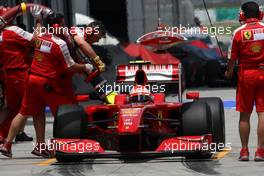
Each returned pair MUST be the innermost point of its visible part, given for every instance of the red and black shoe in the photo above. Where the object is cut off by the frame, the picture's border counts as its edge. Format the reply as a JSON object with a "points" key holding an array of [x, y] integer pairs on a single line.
{"points": [[23, 137], [259, 155], [42, 150], [244, 154], [5, 149]]}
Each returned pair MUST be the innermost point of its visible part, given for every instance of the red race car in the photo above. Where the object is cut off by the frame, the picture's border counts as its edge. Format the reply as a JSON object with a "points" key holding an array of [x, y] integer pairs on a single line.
{"points": [[141, 123]]}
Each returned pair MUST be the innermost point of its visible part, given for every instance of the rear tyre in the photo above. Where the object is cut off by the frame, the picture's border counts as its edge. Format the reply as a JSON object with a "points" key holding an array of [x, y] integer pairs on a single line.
{"points": [[196, 121]]}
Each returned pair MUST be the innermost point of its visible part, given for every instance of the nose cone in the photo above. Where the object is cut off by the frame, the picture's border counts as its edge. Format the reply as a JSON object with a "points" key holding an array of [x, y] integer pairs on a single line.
{"points": [[129, 120]]}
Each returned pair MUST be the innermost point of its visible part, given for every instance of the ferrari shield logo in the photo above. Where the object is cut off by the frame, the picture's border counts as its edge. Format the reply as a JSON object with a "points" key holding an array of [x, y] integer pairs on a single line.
{"points": [[38, 43], [248, 35]]}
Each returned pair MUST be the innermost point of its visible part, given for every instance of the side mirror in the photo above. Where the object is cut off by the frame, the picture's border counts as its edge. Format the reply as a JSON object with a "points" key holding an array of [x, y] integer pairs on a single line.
{"points": [[192, 95]]}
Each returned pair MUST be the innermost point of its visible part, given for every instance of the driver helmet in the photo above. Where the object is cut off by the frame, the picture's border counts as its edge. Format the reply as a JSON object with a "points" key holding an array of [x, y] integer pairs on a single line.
{"points": [[139, 92]]}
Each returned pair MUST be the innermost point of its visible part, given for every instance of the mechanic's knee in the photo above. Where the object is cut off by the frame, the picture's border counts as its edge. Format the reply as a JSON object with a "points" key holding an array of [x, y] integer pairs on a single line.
{"points": [[21, 116], [245, 116], [261, 115]]}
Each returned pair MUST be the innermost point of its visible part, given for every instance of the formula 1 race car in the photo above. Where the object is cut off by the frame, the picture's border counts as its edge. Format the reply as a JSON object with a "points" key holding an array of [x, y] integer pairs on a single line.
{"points": [[140, 123]]}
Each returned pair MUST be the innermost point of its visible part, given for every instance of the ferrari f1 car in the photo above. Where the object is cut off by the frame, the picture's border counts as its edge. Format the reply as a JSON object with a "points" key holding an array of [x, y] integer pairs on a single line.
{"points": [[140, 123]]}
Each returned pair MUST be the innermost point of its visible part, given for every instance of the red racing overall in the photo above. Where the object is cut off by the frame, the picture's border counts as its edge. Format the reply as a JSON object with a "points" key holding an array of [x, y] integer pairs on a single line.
{"points": [[248, 48], [15, 50], [51, 59]]}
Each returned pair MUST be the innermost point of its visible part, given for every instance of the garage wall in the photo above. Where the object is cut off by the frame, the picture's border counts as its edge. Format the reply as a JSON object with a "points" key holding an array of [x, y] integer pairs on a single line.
{"points": [[136, 26], [80, 6]]}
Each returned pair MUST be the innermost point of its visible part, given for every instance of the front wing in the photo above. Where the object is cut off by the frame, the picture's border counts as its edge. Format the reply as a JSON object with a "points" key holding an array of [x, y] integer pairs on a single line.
{"points": [[176, 146]]}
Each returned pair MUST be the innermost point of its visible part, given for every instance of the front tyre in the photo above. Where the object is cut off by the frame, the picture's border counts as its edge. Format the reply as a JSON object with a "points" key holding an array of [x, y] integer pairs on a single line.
{"points": [[70, 122], [196, 121], [217, 118]]}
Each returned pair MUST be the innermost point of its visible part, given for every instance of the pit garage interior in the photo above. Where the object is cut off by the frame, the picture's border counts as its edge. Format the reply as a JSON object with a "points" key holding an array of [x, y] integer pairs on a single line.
{"points": [[116, 23]]}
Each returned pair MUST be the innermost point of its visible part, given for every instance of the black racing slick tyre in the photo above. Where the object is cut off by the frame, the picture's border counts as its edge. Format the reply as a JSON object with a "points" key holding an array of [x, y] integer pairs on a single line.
{"points": [[217, 118], [69, 122], [195, 119]]}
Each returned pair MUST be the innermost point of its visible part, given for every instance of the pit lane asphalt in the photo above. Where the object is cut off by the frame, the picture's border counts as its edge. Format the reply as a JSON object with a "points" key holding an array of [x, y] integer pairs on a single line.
{"points": [[224, 163]]}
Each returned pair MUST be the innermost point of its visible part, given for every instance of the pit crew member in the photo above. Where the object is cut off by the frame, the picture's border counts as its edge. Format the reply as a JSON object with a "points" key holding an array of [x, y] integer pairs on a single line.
{"points": [[51, 58], [15, 52], [79, 42], [248, 50], [82, 39]]}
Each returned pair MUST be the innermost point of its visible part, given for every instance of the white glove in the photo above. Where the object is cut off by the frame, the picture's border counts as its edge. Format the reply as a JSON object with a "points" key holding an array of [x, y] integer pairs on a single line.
{"points": [[89, 68], [39, 12]]}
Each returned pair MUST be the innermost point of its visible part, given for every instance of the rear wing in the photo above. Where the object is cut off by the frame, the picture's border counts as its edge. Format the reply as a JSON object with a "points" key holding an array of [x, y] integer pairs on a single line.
{"points": [[156, 73]]}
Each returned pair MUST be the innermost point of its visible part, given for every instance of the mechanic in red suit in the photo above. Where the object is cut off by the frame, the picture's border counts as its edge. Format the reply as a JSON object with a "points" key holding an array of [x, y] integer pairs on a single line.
{"points": [[51, 59], [79, 48], [15, 52], [3, 110], [80, 41], [247, 49]]}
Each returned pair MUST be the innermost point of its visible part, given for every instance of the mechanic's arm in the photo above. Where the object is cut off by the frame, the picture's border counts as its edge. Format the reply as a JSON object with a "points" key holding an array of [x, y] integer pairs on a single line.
{"points": [[85, 47], [89, 52], [68, 62], [39, 13], [232, 57], [230, 68]]}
